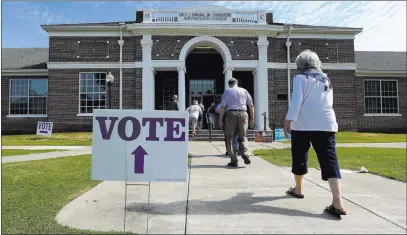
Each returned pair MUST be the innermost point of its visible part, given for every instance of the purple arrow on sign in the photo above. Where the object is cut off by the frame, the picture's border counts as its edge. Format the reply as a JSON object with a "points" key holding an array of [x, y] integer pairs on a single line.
{"points": [[139, 154]]}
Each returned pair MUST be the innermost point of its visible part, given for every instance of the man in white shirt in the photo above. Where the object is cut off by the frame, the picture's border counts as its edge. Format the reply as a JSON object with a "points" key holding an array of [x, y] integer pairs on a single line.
{"points": [[194, 112]]}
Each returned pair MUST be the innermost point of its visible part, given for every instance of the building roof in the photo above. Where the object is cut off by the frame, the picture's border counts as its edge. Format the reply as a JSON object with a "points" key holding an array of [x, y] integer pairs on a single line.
{"points": [[24, 58], [296, 26], [380, 60]]}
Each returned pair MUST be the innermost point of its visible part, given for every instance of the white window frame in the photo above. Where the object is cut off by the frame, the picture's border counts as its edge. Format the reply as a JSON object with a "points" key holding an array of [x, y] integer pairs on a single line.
{"points": [[28, 102], [79, 95], [381, 100]]}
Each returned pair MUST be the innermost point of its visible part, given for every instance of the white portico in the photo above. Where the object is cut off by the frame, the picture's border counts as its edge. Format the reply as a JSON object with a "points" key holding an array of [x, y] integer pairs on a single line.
{"points": [[205, 26]]}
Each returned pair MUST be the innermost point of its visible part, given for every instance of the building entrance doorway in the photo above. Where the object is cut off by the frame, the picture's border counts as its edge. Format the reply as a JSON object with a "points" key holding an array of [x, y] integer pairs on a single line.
{"points": [[204, 78]]}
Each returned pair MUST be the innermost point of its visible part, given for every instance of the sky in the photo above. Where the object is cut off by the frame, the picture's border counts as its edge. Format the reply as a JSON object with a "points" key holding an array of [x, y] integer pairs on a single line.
{"points": [[383, 23]]}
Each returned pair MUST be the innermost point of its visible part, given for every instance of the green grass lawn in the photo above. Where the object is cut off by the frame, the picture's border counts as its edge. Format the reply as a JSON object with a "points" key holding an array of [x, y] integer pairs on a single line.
{"points": [[357, 137], [390, 163], [16, 152], [57, 139], [34, 192]]}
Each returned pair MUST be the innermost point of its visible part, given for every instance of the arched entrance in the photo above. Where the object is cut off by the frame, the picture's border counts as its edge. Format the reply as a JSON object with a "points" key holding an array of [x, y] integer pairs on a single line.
{"points": [[204, 80], [197, 43]]}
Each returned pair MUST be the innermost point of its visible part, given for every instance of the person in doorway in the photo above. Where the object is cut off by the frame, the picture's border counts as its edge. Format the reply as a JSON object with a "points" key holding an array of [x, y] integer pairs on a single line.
{"points": [[194, 113], [311, 119], [211, 115], [234, 112], [174, 103]]}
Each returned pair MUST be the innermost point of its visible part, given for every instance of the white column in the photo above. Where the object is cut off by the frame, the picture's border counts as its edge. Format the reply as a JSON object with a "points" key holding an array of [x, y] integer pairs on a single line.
{"points": [[152, 90], [228, 75], [258, 118], [146, 44], [262, 82], [121, 42], [181, 88]]}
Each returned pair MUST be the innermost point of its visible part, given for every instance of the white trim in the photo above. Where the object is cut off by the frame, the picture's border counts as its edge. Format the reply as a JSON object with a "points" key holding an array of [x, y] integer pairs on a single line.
{"points": [[241, 65], [382, 115], [172, 65], [96, 65], [84, 115], [378, 73], [328, 66], [27, 115], [88, 34], [206, 40], [318, 35], [204, 29], [24, 72]]}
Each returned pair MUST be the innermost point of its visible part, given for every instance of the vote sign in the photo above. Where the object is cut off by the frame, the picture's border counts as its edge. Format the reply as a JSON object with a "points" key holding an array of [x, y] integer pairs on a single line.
{"points": [[44, 128], [140, 146], [279, 135]]}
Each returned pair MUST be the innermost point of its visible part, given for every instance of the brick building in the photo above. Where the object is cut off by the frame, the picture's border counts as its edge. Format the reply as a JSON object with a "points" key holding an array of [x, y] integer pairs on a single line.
{"points": [[193, 53]]}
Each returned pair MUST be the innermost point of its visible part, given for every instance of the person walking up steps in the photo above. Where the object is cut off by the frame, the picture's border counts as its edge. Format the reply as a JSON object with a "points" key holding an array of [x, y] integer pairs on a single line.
{"points": [[234, 112], [194, 112]]}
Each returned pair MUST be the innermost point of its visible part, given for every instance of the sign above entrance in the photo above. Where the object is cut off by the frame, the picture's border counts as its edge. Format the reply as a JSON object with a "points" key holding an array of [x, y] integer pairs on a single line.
{"points": [[204, 16]]}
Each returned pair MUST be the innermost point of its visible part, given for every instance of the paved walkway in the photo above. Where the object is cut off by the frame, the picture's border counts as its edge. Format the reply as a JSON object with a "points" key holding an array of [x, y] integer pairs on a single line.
{"points": [[72, 151], [79, 150], [250, 199]]}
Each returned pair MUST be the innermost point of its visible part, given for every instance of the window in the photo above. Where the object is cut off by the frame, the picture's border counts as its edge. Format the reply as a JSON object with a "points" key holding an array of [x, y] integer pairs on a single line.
{"points": [[28, 96], [381, 97], [92, 92]]}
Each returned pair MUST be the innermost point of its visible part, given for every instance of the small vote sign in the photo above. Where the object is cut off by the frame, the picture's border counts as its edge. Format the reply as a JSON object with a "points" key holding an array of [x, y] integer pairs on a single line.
{"points": [[139, 145], [44, 128]]}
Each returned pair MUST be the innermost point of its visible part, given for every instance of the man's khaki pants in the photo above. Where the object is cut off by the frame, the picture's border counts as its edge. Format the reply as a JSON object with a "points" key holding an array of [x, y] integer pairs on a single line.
{"points": [[236, 122]]}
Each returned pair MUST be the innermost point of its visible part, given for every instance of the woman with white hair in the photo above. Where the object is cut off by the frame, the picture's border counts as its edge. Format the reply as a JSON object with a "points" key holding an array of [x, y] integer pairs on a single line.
{"points": [[194, 112], [311, 120]]}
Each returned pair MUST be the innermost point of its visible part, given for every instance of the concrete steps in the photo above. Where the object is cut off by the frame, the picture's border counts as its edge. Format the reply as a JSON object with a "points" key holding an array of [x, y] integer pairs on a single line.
{"points": [[217, 135]]}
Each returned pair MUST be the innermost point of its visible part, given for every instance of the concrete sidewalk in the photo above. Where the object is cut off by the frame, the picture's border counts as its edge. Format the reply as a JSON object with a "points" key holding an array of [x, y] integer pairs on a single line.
{"points": [[250, 199], [48, 155]]}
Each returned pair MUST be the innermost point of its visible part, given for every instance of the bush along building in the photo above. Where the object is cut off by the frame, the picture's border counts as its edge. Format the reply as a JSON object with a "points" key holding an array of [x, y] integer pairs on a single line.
{"points": [[193, 53]]}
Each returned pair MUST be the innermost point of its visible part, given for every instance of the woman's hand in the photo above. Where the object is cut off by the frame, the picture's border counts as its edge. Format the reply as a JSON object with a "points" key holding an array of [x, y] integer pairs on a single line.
{"points": [[286, 128]]}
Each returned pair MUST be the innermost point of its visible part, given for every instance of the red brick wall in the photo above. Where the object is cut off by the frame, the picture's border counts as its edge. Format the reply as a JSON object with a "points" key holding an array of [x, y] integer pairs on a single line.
{"points": [[343, 83], [328, 50], [382, 124], [64, 92], [63, 100], [94, 49], [169, 47]]}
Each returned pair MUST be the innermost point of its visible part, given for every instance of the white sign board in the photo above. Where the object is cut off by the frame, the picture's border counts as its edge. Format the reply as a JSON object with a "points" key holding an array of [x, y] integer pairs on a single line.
{"points": [[140, 146], [44, 128], [205, 16]]}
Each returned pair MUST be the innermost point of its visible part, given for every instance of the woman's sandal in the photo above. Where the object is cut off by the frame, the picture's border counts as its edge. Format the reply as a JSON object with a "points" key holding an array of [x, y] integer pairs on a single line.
{"points": [[292, 192], [334, 211]]}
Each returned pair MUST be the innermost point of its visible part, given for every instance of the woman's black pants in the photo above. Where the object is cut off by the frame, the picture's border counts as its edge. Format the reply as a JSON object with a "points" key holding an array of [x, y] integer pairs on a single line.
{"points": [[324, 145]]}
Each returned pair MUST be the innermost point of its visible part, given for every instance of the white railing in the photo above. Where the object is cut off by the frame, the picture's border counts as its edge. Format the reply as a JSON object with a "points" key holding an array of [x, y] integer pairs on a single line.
{"points": [[199, 17], [165, 16]]}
